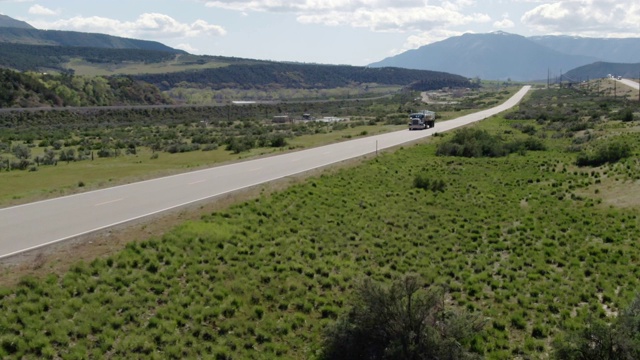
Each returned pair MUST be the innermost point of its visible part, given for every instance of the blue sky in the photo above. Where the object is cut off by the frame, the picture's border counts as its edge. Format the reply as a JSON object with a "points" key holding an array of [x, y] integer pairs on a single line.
{"points": [[355, 32]]}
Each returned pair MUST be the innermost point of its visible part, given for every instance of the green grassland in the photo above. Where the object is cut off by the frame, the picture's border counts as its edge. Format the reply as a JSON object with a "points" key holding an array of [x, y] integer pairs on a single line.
{"points": [[531, 242], [74, 176], [168, 141], [181, 62], [527, 240]]}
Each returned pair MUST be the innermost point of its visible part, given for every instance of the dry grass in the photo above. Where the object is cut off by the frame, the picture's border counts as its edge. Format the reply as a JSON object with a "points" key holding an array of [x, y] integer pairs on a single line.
{"points": [[616, 193], [611, 87]]}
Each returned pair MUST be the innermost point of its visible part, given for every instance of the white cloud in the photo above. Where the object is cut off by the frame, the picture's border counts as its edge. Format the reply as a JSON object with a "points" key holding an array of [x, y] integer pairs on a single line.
{"points": [[376, 15], [149, 25], [187, 47], [297, 6], [41, 10], [425, 38], [585, 17], [505, 23]]}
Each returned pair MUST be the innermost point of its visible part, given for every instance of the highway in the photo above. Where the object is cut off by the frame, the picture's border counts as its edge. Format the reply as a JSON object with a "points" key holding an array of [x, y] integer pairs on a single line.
{"points": [[34, 225], [630, 83]]}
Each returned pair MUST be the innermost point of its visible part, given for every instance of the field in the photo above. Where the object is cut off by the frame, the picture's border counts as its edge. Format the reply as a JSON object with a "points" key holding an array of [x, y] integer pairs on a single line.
{"points": [[532, 242], [181, 62]]}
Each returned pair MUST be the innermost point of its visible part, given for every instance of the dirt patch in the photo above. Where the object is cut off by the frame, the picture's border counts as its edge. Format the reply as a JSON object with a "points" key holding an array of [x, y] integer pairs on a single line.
{"points": [[615, 193]]}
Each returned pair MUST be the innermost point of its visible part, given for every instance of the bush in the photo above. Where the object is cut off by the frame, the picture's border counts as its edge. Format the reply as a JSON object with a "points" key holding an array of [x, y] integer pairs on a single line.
{"points": [[600, 341], [473, 143], [625, 115], [423, 181], [400, 322], [609, 152]]}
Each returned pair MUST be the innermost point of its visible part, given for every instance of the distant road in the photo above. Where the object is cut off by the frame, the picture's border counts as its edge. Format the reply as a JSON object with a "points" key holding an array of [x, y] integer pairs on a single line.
{"points": [[34, 225], [142, 107], [630, 83]]}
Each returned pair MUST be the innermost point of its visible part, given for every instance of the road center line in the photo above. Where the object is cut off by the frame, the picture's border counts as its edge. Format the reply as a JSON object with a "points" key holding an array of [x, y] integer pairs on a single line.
{"points": [[108, 202], [197, 182]]}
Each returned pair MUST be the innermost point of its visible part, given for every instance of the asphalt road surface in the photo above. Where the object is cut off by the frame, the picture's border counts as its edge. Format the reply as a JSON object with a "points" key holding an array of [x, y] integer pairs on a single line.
{"points": [[34, 225], [630, 83]]}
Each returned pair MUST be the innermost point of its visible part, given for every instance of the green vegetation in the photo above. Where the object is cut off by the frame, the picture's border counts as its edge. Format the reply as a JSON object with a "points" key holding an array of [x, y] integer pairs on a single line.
{"points": [[402, 322], [25, 57], [524, 240], [601, 341], [44, 90], [105, 146], [479, 143], [301, 76]]}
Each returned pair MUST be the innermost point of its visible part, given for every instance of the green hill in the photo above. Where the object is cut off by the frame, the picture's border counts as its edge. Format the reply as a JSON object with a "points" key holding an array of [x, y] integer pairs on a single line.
{"points": [[6, 21], [301, 76], [74, 38], [604, 69], [46, 90], [24, 57]]}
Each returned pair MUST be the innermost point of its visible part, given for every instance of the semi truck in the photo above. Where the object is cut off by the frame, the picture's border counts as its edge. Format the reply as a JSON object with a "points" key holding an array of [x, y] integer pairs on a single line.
{"points": [[423, 119]]}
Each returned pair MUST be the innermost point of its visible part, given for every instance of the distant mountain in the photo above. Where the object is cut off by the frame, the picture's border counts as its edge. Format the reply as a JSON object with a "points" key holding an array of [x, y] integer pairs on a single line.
{"points": [[603, 69], [74, 38], [6, 21], [22, 47], [500, 55], [625, 50]]}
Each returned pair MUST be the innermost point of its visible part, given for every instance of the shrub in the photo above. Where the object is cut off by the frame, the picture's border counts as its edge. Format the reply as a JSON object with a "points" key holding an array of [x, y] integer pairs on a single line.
{"points": [[625, 115], [472, 143], [400, 322], [598, 340], [609, 152], [424, 181]]}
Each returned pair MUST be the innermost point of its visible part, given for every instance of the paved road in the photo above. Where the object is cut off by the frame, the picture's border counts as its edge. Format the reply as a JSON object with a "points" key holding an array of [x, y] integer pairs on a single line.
{"points": [[630, 83], [38, 224]]}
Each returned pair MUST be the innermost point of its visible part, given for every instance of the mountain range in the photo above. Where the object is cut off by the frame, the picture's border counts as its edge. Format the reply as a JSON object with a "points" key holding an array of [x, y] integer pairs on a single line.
{"points": [[494, 56], [6, 21], [19, 32], [25, 48], [503, 56]]}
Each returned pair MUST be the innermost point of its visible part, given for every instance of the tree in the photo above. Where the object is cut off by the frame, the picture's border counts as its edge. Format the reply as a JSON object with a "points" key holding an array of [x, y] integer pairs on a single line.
{"points": [[21, 151], [49, 157], [403, 321]]}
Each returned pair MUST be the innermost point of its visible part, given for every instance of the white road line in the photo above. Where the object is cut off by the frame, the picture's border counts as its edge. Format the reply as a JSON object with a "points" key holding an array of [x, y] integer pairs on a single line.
{"points": [[196, 182], [108, 202]]}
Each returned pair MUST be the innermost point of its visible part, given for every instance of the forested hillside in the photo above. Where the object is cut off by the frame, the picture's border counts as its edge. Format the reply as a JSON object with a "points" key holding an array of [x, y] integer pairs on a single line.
{"points": [[48, 57], [74, 38], [603, 69], [6, 21], [301, 76], [36, 90]]}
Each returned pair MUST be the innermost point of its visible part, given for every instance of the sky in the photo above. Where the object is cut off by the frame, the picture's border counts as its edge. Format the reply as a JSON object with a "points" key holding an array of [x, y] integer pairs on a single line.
{"points": [[351, 32]]}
